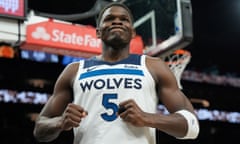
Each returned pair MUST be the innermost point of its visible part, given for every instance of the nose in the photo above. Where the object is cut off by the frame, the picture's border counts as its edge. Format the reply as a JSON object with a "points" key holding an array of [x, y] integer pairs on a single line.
{"points": [[117, 21]]}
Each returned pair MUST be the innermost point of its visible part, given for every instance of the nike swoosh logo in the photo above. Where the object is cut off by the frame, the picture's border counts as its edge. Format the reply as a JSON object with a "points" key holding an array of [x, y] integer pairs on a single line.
{"points": [[91, 68]]}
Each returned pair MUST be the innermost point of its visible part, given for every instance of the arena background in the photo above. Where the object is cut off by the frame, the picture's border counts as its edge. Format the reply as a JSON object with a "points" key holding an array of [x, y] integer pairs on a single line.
{"points": [[211, 79]]}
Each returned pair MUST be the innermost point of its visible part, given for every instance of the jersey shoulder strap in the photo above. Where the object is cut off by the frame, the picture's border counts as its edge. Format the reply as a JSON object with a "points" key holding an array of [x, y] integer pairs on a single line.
{"points": [[132, 59]]}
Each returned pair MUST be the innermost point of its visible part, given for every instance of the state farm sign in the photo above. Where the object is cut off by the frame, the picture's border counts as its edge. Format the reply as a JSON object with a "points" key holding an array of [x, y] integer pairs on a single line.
{"points": [[59, 36], [67, 39]]}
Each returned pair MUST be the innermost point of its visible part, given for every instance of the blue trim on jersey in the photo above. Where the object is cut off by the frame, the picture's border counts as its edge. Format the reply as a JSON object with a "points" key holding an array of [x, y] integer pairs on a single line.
{"points": [[132, 59], [111, 72]]}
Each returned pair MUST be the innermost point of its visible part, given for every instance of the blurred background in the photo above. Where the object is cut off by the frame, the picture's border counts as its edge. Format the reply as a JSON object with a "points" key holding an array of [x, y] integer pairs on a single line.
{"points": [[29, 67]]}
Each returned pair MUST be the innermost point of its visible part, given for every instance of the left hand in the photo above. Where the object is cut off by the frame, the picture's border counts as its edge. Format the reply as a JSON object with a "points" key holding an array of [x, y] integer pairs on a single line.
{"points": [[133, 113]]}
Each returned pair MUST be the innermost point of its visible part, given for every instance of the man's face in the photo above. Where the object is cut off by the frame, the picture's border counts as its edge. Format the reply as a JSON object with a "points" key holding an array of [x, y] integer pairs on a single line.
{"points": [[116, 26]]}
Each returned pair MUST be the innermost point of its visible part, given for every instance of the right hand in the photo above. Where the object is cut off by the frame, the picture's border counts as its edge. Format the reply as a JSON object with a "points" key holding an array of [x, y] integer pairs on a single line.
{"points": [[72, 116]]}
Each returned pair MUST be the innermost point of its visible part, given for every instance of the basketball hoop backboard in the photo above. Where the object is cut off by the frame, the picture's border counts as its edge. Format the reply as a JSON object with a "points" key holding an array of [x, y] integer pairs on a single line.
{"points": [[164, 25]]}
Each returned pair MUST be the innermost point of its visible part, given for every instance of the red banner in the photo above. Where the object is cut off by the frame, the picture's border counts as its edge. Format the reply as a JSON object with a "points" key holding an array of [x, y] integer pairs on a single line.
{"points": [[68, 39], [13, 8]]}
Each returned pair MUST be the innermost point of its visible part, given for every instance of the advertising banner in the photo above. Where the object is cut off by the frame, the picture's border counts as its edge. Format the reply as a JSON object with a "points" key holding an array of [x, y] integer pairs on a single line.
{"points": [[15, 9], [68, 39]]}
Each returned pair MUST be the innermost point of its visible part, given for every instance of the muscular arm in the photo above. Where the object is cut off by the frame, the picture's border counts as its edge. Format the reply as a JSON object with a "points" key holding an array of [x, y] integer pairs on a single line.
{"points": [[173, 99], [59, 114], [181, 121]]}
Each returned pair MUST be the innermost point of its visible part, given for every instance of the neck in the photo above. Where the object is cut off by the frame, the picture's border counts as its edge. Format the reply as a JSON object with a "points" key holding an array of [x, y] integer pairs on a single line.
{"points": [[112, 56]]}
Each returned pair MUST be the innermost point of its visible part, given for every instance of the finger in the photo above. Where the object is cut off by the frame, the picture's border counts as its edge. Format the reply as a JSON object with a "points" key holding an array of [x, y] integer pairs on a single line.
{"points": [[125, 118], [69, 124], [121, 109], [123, 103], [84, 114], [75, 118], [76, 110], [76, 107]]}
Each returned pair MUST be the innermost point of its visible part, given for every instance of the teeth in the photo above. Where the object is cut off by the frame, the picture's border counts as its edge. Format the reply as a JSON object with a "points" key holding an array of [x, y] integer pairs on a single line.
{"points": [[117, 28]]}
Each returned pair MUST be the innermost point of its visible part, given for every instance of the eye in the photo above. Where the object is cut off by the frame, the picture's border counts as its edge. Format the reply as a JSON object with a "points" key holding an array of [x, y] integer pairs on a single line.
{"points": [[109, 18], [125, 19]]}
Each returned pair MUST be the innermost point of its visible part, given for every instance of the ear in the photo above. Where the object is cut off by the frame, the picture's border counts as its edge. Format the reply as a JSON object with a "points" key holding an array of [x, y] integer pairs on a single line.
{"points": [[98, 33]]}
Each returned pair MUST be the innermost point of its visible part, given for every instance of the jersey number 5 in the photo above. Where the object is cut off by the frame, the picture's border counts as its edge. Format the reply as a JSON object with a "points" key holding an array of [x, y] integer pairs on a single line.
{"points": [[108, 104]]}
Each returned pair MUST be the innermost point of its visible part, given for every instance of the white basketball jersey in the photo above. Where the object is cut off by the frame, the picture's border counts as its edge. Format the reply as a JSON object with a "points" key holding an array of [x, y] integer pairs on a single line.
{"points": [[99, 87]]}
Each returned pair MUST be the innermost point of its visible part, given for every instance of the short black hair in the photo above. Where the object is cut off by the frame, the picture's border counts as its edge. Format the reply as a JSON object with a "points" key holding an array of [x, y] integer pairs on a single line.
{"points": [[111, 5]]}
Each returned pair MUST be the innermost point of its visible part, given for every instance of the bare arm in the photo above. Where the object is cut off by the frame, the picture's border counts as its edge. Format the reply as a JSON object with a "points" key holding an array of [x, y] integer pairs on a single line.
{"points": [[59, 113], [170, 95]]}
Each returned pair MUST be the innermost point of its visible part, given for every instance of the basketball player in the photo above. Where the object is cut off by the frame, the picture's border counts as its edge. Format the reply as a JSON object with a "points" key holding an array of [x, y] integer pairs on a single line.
{"points": [[112, 98]]}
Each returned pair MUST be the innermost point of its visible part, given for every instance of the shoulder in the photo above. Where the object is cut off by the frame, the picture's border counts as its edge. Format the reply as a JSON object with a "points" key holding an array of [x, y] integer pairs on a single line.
{"points": [[72, 66], [157, 67], [70, 71], [152, 61]]}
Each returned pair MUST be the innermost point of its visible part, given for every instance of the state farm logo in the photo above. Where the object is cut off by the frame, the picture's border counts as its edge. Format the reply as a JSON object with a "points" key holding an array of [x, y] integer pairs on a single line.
{"points": [[60, 36], [41, 33]]}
